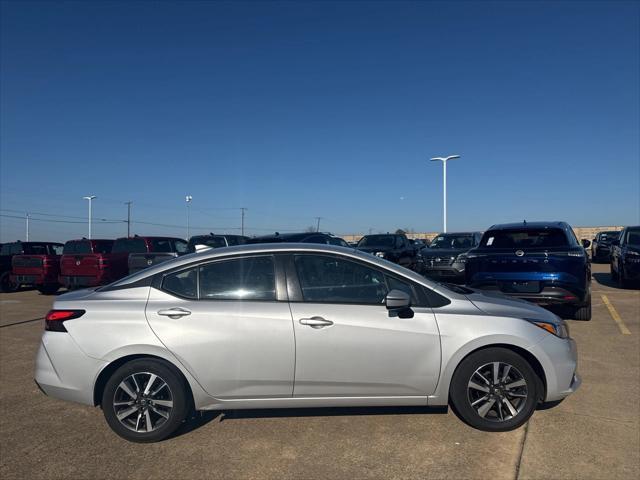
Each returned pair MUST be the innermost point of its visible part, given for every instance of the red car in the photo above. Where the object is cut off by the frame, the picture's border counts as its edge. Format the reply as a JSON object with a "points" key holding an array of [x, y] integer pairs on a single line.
{"points": [[39, 268], [88, 263]]}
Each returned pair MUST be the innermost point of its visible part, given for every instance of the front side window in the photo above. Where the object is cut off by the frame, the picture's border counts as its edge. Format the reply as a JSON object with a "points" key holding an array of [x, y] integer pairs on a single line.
{"points": [[327, 279], [633, 237], [181, 246], [251, 278], [56, 249]]}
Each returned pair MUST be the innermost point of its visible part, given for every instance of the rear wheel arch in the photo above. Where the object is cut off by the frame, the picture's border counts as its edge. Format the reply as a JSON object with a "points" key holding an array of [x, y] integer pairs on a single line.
{"points": [[109, 370], [528, 356]]}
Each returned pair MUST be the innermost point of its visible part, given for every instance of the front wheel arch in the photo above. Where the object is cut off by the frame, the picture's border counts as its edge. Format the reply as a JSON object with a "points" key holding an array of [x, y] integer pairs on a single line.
{"points": [[110, 369], [528, 356]]}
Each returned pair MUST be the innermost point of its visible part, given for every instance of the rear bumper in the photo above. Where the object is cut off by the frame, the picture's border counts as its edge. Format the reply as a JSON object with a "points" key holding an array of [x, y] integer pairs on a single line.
{"points": [[28, 279], [63, 371]]}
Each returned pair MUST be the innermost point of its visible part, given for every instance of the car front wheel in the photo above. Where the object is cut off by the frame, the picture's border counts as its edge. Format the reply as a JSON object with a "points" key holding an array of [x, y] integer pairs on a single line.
{"points": [[145, 401], [6, 285], [495, 390]]}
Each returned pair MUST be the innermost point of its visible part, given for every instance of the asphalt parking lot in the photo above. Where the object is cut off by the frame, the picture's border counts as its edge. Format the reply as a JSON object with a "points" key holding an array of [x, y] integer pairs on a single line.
{"points": [[593, 434]]}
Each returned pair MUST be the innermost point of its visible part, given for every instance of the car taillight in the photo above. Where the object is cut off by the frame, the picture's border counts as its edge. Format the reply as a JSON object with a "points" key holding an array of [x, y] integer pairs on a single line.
{"points": [[54, 321]]}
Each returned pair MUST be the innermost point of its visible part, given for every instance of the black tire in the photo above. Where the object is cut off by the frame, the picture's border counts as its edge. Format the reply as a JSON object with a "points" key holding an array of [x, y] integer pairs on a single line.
{"points": [[622, 282], [177, 393], [583, 313], [614, 274], [6, 285], [48, 289], [461, 395]]}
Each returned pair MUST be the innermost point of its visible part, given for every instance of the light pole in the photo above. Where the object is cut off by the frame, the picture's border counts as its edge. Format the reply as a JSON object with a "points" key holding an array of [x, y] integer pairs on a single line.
{"points": [[90, 198], [128, 204], [242, 209], [27, 227], [188, 199], [318, 224], [444, 161]]}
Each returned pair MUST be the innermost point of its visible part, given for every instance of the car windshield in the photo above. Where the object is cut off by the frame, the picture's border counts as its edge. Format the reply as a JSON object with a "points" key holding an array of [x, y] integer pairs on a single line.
{"points": [[214, 242], [608, 236], [452, 241], [633, 237], [376, 241], [525, 238]]}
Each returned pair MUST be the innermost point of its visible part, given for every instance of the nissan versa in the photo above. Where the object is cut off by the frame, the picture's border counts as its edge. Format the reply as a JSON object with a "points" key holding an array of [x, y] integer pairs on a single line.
{"points": [[298, 325]]}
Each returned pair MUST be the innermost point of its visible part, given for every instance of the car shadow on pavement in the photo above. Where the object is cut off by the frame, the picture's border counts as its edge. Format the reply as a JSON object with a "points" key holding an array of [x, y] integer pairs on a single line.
{"points": [[329, 412], [605, 280]]}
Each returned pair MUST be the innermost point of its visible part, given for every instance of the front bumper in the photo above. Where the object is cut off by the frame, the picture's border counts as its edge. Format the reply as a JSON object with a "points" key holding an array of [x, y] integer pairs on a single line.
{"points": [[559, 360], [81, 280], [63, 371]]}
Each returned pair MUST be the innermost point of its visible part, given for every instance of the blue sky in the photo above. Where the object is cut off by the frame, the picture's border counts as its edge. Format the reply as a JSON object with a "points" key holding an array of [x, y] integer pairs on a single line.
{"points": [[303, 109]]}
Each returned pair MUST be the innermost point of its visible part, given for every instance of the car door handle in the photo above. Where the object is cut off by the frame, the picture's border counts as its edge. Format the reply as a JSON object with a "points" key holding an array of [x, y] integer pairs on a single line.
{"points": [[315, 322], [175, 312]]}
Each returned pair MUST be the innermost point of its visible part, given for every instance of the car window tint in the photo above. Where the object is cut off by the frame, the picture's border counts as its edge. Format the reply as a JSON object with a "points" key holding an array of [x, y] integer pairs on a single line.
{"points": [[129, 245], [250, 278], [161, 245], [6, 249], [180, 246], [633, 237], [330, 279], [77, 247], [56, 249], [184, 283], [16, 249], [525, 238], [103, 246], [36, 249]]}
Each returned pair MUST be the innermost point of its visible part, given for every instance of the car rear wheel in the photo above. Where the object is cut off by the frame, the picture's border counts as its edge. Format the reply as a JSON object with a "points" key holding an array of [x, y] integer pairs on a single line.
{"points": [[584, 312], [6, 285], [145, 401], [495, 390]]}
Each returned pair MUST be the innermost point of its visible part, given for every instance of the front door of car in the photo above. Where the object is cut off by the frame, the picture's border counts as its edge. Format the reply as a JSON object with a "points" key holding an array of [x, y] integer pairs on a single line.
{"points": [[225, 324], [347, 343]]}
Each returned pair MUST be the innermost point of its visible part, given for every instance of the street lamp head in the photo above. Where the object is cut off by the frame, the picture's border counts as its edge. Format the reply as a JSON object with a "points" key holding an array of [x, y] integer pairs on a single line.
{"points": [[89, 197], [188, 198], [445, 159]]}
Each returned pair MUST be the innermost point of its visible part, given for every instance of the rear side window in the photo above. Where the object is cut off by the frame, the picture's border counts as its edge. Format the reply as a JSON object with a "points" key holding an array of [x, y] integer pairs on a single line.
{"points": [[129, 245], [525, 238], [251, 278], [183, 284], [76, 247], [180, 246], [56, 249]]}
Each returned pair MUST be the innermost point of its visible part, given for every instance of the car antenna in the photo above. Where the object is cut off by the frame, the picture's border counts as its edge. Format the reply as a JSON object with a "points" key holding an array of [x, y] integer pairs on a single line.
{"points": [[277, 233], [524, 221]]}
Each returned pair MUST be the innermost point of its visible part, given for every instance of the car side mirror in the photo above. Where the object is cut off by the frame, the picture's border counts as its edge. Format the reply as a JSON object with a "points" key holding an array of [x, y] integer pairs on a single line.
{"points": [[399, 304], [585, 243]]}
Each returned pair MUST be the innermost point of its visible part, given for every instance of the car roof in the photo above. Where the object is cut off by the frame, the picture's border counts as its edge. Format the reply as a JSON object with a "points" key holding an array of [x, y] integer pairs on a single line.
{"points": [[283, 237], [259, 248], [150, 237], [91, 240], [458, 233], [529, 225]]}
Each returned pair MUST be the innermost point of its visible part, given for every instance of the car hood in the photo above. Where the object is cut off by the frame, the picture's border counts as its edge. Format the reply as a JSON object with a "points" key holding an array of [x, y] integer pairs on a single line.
{"points": [[443, 252], [500, 305]]}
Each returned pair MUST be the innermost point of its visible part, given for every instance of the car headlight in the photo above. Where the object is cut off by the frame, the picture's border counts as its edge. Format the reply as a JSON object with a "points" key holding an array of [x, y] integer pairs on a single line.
{"points": [[462, 258], [560, 330], [379, 254]]}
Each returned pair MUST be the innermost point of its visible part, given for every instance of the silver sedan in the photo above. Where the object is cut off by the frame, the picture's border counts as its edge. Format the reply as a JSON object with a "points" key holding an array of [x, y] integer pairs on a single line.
{"points": [[295, 325]]}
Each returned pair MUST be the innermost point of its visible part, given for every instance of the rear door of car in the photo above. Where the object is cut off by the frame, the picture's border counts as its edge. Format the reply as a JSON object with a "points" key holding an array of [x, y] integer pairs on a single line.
{"points": [[228, 321], [347, 342]]}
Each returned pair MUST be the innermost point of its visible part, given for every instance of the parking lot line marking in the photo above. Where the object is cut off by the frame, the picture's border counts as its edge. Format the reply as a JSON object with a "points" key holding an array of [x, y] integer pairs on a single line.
{"points": [[614, 314]]}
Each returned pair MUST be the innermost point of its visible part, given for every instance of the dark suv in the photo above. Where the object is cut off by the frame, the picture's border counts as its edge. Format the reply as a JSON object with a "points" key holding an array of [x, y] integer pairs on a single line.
{"points": [[446, 256], [601, 246], [542, 262], [390, 246], [625, 256]]}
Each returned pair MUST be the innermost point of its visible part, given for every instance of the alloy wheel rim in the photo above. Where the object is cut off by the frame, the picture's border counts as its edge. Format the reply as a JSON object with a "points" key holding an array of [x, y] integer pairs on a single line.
{"points": [[143, 402], [497, 391]]}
